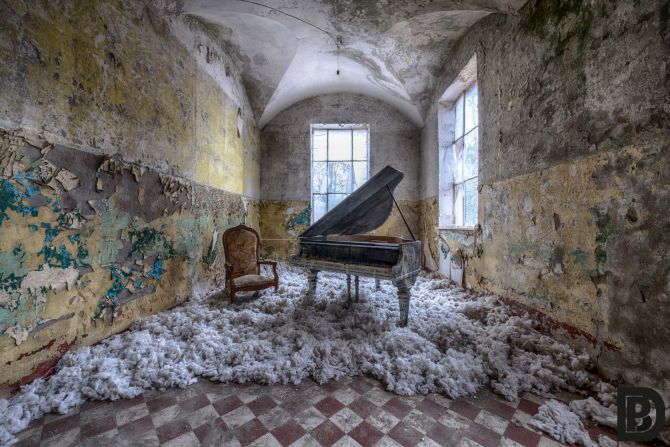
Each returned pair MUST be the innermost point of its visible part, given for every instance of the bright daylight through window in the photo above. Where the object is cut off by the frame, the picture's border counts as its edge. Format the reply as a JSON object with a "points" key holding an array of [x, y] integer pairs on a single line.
{"points": [[463, 153], [340, 164]]}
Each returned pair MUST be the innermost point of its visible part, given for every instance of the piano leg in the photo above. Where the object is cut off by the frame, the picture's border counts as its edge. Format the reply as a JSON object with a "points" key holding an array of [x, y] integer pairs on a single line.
{"points": [[311, 281], [356, 284], [377, 281], [403, 301]]}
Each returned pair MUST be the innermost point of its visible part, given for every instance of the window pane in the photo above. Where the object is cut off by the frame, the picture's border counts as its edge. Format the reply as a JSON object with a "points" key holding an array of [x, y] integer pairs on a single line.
{"points": [[339, 145], [470, 157], [471, 114], [319, 177], [360, 173], [340, 177], [457, 160], [458, 118], [458, 204], [360, 144], [471, 203], [319, 206], [319, 145], [334, 199]]}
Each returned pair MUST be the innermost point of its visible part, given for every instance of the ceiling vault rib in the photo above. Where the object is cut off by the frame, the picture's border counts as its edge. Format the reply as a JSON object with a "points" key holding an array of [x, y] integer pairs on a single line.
{"points": [[290, 50]]}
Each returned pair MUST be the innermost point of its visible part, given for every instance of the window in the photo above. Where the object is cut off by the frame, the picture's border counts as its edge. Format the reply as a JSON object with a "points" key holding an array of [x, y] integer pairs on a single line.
{"points": [[340, 163], [464, 158]]}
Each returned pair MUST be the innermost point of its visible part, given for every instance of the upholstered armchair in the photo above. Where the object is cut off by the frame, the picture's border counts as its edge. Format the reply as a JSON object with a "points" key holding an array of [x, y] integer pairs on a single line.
{"points": [[241, 246]]}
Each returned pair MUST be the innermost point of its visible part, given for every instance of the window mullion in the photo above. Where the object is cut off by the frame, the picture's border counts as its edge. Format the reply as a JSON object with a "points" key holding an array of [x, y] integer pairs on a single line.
{"points": [[463, 163]]}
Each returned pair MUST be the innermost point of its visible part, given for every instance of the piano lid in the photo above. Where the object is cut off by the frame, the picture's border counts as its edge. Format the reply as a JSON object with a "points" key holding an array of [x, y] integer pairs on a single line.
{"points": [[363, 210]]}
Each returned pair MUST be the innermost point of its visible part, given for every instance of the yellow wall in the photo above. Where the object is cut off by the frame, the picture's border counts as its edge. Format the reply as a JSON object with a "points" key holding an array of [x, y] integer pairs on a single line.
{"points": [[164, 157]]}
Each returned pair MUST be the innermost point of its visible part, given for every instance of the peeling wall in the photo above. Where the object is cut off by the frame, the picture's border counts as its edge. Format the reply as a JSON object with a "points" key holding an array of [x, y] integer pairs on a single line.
{"points": [[286, 158], [124, 155], [574, 195]]}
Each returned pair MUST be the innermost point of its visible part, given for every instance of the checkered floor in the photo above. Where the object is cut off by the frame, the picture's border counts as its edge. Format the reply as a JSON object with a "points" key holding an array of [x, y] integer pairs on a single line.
{"points": [[349, 412]]}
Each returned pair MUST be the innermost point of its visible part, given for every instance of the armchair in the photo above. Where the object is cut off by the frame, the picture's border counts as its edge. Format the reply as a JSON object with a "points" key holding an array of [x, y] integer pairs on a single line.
{"points": [[241, 246]]}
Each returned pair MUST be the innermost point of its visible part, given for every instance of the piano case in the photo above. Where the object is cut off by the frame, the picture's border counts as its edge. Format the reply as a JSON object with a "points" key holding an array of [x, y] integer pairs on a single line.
{"points": [[337, 242]]}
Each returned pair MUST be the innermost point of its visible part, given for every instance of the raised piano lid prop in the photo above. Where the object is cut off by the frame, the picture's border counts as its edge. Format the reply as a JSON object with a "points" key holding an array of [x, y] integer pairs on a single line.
{"points": [[337, 242]]}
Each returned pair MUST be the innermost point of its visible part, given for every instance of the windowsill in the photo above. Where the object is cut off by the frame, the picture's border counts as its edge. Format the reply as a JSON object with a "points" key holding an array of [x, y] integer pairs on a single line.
{"points": [[458, 228]]}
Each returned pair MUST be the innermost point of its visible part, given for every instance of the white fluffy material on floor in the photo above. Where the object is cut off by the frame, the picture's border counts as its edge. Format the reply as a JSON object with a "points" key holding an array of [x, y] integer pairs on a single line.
{"points": [[455, 344], [594, 410], [556, 419]]}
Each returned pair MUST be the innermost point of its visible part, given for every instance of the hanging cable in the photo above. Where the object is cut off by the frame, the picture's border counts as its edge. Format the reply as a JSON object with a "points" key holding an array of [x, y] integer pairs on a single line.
{"points": [[296, 18], [337, 40]]}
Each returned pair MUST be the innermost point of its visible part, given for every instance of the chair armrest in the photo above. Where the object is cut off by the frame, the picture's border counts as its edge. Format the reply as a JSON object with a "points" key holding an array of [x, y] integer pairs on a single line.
{"points": [[274, 267]]}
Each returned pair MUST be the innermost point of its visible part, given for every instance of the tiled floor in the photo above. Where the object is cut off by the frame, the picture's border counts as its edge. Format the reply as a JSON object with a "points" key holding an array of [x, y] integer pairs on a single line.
{"points": [[349, 412]]}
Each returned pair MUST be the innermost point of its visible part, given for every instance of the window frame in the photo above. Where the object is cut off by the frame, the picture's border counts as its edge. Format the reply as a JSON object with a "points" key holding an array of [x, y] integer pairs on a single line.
{"points": [[454, 186], [331, 127]]}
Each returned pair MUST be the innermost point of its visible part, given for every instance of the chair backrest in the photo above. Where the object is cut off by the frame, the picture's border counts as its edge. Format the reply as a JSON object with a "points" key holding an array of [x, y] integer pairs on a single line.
{"points": [[241, 245]]}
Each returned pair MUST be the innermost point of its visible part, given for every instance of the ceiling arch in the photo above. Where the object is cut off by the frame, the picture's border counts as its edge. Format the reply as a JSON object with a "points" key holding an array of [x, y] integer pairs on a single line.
{"points": [[390, 50]]}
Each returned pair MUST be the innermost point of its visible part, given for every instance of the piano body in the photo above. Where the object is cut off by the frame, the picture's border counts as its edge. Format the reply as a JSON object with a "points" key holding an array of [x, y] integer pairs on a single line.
{"points": [[337, 242]]}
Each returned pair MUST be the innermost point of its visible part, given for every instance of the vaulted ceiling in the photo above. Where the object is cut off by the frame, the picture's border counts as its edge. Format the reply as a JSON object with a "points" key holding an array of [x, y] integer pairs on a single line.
{"points": [[388, 49]]}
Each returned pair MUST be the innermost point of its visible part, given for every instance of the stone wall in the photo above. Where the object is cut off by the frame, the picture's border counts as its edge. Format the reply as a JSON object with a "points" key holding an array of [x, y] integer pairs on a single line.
{"points": [[574, 174], [127, 148], [286, 174]]}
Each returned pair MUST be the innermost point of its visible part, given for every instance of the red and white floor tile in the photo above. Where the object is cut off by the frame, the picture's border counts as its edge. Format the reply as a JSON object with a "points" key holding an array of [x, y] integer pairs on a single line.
{"points": [[350, 412]]}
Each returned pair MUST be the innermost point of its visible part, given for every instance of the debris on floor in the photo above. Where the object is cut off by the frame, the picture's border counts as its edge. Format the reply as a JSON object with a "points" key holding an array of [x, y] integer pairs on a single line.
{"points": [[455, 344]]}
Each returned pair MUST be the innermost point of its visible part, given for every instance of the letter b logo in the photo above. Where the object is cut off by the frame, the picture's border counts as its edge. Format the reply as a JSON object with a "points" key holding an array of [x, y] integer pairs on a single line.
{"points": [[634, 421]]}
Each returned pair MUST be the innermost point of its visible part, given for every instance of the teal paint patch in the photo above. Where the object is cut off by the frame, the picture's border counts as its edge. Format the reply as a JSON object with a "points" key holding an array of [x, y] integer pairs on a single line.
{"points": [[11, 198], [7, 198], [579, 256], [304, 218], [118, 277], [49, 232], [12, 263], [57, 257], [109, 300], [10, 281], [24, 315], [444, 250], [82, 256], [157, 270], [110, 226], [148, 242], [25, 179], [142, 239]]}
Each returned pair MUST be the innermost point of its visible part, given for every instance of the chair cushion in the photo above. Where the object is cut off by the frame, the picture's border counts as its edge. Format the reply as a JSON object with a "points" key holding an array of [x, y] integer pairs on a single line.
{"points": [[253, 281]]}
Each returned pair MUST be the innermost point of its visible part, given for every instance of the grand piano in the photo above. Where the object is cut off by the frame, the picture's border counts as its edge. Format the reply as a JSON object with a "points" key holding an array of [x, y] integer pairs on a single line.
{"points": [[337, 242]]}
